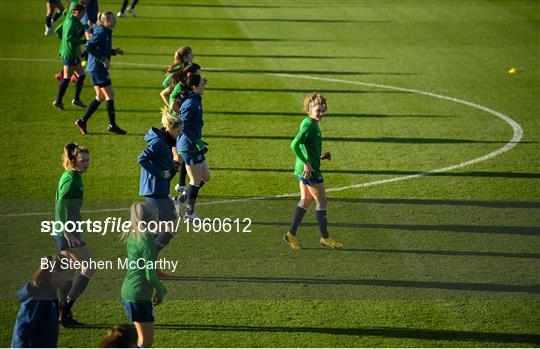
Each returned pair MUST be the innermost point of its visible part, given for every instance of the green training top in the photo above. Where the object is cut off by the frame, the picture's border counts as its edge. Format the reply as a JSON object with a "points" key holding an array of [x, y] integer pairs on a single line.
{"points": [[307, 147], [70, 32], [69, 198], [175, 92], [169, 76], [139, 283]]}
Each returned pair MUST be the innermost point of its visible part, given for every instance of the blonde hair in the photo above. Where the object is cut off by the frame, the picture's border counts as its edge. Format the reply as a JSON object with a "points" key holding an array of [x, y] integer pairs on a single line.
{"points": [[140, 212], [101, 16], [168, 120], [42, 277], [313, 100], [69, 157]]}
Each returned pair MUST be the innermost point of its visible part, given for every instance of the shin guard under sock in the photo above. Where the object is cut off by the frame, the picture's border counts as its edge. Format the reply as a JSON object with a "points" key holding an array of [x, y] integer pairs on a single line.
{"points": [[92, 107], [322, 219], [299, 213]]}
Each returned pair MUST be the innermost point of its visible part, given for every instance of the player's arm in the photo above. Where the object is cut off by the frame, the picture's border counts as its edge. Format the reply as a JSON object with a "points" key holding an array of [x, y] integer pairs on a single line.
{"points": [[166, 82], [165, 93], [298, 143], [61, 208], [151, 276], [299, 149], [145, 161], [177, 90]]}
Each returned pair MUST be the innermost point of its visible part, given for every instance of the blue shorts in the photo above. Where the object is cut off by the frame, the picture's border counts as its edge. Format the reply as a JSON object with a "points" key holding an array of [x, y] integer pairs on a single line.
{"points": [[193, 158], [72, 61], [100, 78], [139, 311], [53, 2], [310, 181], [62, 244], [165, 207]]}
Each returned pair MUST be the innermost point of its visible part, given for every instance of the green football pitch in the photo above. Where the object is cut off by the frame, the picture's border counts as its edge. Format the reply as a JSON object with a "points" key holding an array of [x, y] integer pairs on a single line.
{"points": [[433, 184]]}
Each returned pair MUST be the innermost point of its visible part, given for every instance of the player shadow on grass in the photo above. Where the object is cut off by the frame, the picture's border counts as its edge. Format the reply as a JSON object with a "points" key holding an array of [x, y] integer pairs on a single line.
{"points": [[214, 38], [399, 140], [406, 173], [390, 332], [294, 114], [438, 253], [434, 228], [271, 90], [276, 20], [438, 285], [129, 134], [160, 68], [272, 56], [253, 6]]}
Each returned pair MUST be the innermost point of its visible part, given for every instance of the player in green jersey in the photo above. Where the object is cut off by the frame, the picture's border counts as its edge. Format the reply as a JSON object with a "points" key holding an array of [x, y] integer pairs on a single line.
{"points": [[69, 200], [182, 56], [139, 284], [307, 147], [70, 32]]}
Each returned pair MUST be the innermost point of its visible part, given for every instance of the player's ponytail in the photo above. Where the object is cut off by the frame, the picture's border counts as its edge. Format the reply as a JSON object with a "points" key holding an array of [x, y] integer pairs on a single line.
{"points": [[179, 59], [69, 157]]}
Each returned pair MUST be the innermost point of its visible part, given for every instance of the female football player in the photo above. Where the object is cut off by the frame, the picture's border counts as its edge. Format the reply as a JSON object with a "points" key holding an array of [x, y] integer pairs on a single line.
{"points": [[182, 56], [37, 321], [307, 146], [139, 284], [100, 49], [69, 53], [69, 200], [157, 169], [190, 144]]}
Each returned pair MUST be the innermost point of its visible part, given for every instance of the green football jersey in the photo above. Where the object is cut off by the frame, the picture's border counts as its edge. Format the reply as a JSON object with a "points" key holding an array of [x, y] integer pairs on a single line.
{"points": [[139, 283], [69, 197], [307, 147]]}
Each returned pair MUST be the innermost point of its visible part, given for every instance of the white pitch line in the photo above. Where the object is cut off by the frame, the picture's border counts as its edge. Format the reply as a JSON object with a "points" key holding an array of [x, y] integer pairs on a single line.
{"points": [[518, 134]]}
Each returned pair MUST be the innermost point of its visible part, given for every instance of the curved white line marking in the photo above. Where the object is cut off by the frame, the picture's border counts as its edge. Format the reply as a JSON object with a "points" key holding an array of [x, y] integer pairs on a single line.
{"points": [[518, 134]]}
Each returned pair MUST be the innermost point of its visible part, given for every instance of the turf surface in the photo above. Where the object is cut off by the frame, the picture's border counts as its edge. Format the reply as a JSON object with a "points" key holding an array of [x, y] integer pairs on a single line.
{"points": [[449, 259]]}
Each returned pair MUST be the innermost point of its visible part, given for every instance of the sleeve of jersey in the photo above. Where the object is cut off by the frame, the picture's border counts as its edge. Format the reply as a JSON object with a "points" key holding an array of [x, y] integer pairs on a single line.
{"points": [[145, 159], [175, 92], [150, 273], [297, 145], [64, 190], [167, 80], [187, 114]]}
